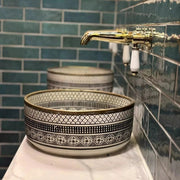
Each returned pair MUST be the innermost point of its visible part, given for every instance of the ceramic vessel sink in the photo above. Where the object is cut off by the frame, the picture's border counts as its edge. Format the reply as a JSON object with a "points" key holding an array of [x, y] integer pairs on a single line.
{"points": [[78, 123], [80, 77]]}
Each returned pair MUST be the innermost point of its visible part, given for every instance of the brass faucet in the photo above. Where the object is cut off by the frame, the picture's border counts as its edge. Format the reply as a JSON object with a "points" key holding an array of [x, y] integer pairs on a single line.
{"points": [[140, 36]]}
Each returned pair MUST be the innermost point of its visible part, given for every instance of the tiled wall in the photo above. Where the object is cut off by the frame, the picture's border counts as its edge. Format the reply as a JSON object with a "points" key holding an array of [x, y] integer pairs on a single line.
{"points": [[36, 35], [157, 86]]}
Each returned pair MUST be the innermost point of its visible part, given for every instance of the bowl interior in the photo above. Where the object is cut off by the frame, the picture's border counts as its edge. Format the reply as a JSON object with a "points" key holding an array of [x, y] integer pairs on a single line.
{"points": [[72, 100]]}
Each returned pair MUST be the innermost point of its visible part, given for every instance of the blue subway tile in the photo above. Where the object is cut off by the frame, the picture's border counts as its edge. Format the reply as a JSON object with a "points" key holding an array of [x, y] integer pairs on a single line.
{"points": [[58, 54], [12, 101], [108, 18], [172, 52], [12, 125], [6, 39], [43, 15], [43, 78], [9, 89], [21, 27], [145, 120], [167, 10], [172, 45], [5, 161], [169, 118], [52, 41], [146, 149], [159, 140], [164, 75], [103, 45], [75, 42], [131, 92], [137, 82], [158, 43], [2, 171], [20, 77], [22, 3], [95, 55], [63, 4], [132, 3], [105, 65], [22, 136], [39, 65], [140, 138], [177, 98], [82, 17], [9, 137], [9, 149], [139, 8], [121, 18], [31, 88], [22, 112], [9, 113], [146, 63], [69, 29], [150, 159], [149, 8], [161, 172], [175, 162], [15, 52], [11, 13], [122, 84], [122, 5], [151, 98], [98, 5], [10, 64]]}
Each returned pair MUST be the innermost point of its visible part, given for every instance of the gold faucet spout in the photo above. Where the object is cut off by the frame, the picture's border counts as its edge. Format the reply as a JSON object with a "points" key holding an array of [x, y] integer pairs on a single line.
{"points": [[121, 36]]}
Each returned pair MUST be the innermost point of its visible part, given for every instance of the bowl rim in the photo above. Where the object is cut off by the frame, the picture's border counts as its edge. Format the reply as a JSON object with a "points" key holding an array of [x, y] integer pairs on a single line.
{"points": [[79, 112], [108, 72]]}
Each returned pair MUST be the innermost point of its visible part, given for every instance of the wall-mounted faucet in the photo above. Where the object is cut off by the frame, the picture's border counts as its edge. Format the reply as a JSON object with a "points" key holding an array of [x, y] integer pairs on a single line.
{"points": [[140, 37], [121, 36]]}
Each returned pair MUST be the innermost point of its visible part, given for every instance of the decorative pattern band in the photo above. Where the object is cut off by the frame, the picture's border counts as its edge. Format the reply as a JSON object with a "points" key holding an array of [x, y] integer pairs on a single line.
{"points": [[78, 119], [79, 129], [78, 141]]}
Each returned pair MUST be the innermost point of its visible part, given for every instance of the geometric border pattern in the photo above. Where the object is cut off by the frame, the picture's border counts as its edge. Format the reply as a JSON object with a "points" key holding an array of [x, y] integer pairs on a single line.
{"points": [[59, 118], [78, 141], [86, 129]]}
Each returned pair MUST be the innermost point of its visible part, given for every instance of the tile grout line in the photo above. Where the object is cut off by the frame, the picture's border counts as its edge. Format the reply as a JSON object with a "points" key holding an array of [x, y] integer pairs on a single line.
{"points": [[159, 106], [79, 5], [41, 4], [77, 54], [39, 53], [115, 13], [176, 82], [101, 17], [2, 21], [24, 15], [170, 151]]}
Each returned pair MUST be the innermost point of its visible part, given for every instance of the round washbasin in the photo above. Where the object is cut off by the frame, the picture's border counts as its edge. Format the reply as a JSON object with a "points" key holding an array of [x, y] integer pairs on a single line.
{"points": [[80, 77], [78, 122]]}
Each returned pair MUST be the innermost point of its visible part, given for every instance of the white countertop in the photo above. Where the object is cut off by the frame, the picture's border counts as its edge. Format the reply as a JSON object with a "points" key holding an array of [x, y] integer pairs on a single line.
{"points": [[31, 164]]}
